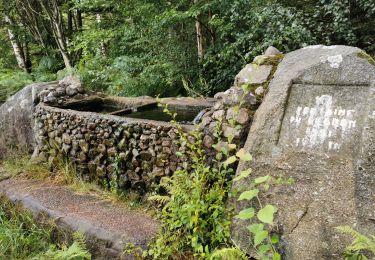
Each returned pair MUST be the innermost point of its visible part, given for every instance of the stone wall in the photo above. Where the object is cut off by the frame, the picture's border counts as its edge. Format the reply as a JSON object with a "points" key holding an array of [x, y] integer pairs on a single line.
{"points": [[136, 153]]}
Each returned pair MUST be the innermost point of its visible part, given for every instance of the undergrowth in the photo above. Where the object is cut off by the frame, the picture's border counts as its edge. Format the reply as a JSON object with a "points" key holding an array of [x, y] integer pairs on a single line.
{"points": [[23, 237], [361, 245], [195, 217], [62, 172], [18, 162]]}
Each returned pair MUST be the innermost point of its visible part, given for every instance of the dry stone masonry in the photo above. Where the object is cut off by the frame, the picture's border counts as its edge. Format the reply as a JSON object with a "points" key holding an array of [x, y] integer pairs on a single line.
{"points": [[133, 153], [66, 89], [317, 126], [235, 107]]}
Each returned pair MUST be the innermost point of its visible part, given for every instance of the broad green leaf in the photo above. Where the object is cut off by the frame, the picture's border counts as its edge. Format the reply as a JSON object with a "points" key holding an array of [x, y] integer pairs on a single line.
{"points": [[260, 236], [248, 195], [243, 155], [264, 249], [224, 151], [266, 214], [246, 87], [232, 147], [254, 228], [275, 238], [276, 256], [260, 180], [243, 175], [230, 160], [246, 214]]}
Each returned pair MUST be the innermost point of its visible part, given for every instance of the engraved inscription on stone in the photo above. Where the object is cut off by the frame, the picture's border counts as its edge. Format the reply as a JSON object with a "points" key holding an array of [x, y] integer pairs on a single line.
{"points": [[331, 119]]}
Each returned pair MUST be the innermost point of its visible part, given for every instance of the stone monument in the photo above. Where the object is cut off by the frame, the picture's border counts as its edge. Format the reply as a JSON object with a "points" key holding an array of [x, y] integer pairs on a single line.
{"points": [[316, 125]]}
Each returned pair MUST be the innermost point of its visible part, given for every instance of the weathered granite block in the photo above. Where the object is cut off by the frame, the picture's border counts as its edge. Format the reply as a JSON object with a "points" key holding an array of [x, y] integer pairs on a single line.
{"points": [[316, 125]]}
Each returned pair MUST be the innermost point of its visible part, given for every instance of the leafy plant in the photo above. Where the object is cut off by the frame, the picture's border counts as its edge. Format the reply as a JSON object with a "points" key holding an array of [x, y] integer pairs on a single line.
{"points": [[260, 216], [360, 246], [131, 249], [194, 216]]}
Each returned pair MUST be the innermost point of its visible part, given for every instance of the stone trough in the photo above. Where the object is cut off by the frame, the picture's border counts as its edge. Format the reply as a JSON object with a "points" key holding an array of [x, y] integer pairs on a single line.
{"points": [[126, 140]]}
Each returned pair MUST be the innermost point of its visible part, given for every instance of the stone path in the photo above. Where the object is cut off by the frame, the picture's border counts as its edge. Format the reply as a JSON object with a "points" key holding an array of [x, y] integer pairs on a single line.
{"points": [[107, 227]]}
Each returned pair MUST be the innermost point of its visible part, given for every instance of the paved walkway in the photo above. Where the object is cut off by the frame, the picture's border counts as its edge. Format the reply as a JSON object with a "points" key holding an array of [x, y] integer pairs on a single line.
{"points": [[107, 227]]}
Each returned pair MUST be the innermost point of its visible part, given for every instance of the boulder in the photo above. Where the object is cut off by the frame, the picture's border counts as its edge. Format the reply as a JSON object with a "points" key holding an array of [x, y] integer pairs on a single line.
{"points": [[234, 96], [317, 126], [253, 74], [16, 117], [272, 51]]}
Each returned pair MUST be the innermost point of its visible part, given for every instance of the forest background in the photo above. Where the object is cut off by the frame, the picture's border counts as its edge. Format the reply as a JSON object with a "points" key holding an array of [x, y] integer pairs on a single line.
{"points": [[167, 48]]}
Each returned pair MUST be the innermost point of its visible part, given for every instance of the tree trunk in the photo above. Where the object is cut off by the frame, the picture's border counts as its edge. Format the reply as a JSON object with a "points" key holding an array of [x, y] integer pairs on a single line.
{"points": [[212, 31], [28, 62], [102, 46], [79, 20], [18, 52], [53, 11], [199, 31], [70, 23]]}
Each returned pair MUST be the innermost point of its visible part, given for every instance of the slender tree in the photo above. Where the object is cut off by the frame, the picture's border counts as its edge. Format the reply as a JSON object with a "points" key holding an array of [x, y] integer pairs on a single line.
{"points": [[18, 51], [52, 9]]}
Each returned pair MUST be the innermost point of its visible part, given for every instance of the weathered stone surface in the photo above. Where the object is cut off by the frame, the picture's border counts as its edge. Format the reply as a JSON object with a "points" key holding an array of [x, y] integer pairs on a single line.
{"points": [[208, 141], [272, 51], [16, 117], [234, 96], [316, 125], [253, 74], [241, 115]]}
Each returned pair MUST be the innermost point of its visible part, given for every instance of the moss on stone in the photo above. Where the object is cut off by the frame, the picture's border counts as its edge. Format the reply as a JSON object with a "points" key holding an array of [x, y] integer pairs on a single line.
{"points": [[273, 60], [366, 56]]}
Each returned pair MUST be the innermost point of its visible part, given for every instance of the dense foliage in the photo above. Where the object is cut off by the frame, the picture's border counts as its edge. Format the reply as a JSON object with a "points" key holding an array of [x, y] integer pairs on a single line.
{"points": [[166, 47], [195, 217]]}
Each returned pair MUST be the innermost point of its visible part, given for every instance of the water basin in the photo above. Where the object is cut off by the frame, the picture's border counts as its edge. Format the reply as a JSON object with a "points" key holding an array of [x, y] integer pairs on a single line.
{"points": [[156, 113]]}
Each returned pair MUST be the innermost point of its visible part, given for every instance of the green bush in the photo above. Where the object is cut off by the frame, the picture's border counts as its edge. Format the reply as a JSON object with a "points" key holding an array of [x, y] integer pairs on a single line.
{"points": [[12, 81]]}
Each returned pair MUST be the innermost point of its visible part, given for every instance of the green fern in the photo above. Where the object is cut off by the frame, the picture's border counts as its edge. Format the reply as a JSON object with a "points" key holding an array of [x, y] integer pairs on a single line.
{"points": [[159, 199], [231, 253], [360, 244], [77, 251]]}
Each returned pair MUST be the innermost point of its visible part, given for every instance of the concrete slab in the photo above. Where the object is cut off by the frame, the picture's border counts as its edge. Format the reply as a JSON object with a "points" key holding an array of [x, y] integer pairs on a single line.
{"points": [[107, 227]]}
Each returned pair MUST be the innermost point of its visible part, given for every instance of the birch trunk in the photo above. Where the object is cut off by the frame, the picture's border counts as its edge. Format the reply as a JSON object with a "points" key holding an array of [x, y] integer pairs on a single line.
{"points": [[102, 46], [18, 52], [199, 31]]}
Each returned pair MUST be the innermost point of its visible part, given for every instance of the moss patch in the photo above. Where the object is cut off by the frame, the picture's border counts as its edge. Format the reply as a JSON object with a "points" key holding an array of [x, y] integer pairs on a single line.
{"points": [[366, 56]]}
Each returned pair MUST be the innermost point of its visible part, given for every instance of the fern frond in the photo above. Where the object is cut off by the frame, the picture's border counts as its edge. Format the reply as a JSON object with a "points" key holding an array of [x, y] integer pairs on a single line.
{"points": [[159, 199], [360, 242], [80, 239]]}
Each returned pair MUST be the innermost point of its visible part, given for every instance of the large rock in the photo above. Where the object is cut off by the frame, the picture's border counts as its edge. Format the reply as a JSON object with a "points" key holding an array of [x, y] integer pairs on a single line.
{"points": [[16, 117], [316, 125], [253, 74]]}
